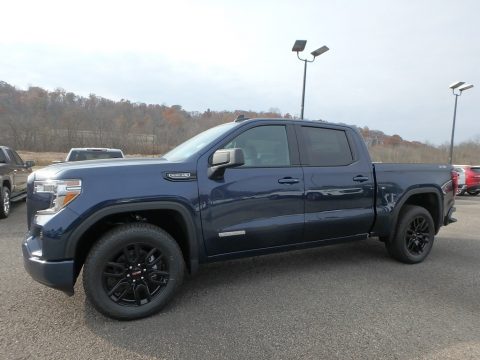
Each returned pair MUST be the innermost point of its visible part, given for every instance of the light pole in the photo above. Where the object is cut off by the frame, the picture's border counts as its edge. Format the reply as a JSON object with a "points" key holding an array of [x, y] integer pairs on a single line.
{"points": [[460, 88], [299, 46]]}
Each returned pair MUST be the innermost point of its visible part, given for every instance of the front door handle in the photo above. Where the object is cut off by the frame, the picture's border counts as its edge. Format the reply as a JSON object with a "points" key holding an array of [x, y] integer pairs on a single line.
{"points": [[360, 178], [288, 180]]}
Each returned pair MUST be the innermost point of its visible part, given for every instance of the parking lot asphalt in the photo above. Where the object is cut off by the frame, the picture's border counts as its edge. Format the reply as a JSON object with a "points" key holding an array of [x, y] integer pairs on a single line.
{"points": [[346, 301]]}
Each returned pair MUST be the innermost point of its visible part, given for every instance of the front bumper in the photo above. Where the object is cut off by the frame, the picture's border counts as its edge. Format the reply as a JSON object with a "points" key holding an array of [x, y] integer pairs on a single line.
{"points": [[56, 274]]}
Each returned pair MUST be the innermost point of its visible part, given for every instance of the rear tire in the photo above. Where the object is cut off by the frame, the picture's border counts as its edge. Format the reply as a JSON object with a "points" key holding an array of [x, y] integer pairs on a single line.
{"points": [[473, 192], [4, 202], [133, 271], [414, 235]]}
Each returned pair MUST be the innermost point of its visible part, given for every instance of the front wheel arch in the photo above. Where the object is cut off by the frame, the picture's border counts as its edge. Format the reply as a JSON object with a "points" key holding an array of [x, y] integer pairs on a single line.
{"points": [[80, 241]]}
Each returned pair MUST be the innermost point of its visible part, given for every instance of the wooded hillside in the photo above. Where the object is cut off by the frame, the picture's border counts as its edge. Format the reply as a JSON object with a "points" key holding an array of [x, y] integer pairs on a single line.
{"points": [[41, 121]]}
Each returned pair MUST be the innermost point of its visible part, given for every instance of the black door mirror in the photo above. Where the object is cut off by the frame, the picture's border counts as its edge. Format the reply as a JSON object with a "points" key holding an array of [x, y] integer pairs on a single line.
{"points": [[223, 159], [29, 164]]}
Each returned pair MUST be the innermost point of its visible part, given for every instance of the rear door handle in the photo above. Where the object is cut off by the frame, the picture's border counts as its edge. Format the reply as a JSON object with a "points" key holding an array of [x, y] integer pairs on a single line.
{"points": [[288, 180], [360, 178]]}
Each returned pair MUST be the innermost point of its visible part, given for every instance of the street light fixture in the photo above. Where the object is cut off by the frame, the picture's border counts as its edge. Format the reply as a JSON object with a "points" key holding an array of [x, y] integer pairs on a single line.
{"points": [[460, 87], [299, 46], [319, 51], [456, 84]]}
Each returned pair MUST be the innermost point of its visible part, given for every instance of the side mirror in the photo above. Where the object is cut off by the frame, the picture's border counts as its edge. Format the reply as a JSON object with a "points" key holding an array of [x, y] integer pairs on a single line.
{"points": [[29, 164], [223, 159]]}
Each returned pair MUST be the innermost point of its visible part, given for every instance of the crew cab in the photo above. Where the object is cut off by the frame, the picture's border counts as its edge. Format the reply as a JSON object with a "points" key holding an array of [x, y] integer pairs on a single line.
{"points": [[245, 188], [13, 178]]}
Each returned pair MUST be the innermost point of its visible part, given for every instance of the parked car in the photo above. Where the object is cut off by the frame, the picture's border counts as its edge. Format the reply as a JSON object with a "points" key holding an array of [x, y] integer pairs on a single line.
{"points": [[80, 154], [238, 189], [472, 179], [13, 178]]}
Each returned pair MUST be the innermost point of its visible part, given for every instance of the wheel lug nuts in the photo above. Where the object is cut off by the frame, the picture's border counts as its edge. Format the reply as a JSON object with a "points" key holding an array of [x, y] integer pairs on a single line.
{"points": [[131, 267], [128, 275], [133, 280], [144, 270], [141, 278], [138, 264]]}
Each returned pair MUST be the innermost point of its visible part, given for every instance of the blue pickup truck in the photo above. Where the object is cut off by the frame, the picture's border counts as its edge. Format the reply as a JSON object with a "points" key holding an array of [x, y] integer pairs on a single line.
{"points": [[245, 188]]}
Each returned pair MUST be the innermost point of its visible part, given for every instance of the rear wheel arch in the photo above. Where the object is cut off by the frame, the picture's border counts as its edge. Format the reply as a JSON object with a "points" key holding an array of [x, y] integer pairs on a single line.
{"points": [[174, 218], [428, 198], [432, 202]]}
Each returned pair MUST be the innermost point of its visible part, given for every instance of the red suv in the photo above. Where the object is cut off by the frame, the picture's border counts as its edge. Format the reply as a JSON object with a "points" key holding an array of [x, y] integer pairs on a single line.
{"points": [[472, 179]]}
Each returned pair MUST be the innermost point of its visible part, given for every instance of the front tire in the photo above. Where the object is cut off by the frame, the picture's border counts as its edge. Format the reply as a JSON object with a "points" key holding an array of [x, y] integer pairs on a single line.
{"points": [[414, 235], [4, 202], [133, 271]]}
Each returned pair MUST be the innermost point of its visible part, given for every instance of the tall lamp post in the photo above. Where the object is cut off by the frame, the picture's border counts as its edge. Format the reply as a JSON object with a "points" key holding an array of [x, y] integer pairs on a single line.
{"points": [[457, 89], [299, 46]]}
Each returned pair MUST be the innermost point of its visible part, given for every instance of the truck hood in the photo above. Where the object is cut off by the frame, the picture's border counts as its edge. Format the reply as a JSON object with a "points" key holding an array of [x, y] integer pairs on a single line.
{"points": [[115, 181], [55, 171]]}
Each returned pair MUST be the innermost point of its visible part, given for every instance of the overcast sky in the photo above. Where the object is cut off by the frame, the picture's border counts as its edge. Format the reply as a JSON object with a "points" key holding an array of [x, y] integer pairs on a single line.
{"points": [[389, 66]]}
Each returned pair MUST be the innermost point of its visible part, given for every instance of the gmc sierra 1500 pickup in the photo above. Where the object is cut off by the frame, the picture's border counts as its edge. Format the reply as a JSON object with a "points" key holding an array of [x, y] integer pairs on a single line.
{"points": [[249, 187], [13, 178]]}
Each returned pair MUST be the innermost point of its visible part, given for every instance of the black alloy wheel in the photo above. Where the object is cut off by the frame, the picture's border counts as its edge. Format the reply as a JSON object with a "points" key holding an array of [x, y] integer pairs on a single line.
{"points": [[414, 235], [135, 275], [133, 271], [417, 235]]}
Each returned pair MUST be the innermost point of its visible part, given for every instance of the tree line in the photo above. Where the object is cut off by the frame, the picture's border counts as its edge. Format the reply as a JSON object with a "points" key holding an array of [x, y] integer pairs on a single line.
{"points": [[55, 121], [41, 120]]}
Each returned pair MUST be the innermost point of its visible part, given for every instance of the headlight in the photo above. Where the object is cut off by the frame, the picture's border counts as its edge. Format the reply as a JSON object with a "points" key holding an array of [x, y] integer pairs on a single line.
{"points": [[63, 191]]}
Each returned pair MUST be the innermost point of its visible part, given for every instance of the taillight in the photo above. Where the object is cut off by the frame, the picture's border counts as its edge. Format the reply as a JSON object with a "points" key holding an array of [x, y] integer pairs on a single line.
{"points": [[454, 181]]}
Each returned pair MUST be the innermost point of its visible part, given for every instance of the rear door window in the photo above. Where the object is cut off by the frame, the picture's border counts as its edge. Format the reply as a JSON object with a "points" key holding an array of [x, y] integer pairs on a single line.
{"points": [[326, 147]]}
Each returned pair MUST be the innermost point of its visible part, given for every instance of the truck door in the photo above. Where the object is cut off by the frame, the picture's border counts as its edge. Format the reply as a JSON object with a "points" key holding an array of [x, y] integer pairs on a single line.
{"points": [[339, 184], [257, 205], [20, 172]]}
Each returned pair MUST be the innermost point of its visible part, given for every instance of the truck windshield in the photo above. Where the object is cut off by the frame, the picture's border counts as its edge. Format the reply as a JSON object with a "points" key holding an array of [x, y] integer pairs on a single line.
{"points": [[197, 143], [79, 155]]}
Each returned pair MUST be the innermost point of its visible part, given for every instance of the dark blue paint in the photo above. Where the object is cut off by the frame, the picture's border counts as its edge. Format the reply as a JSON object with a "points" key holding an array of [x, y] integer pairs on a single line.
{"points": [[278, 208]]}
